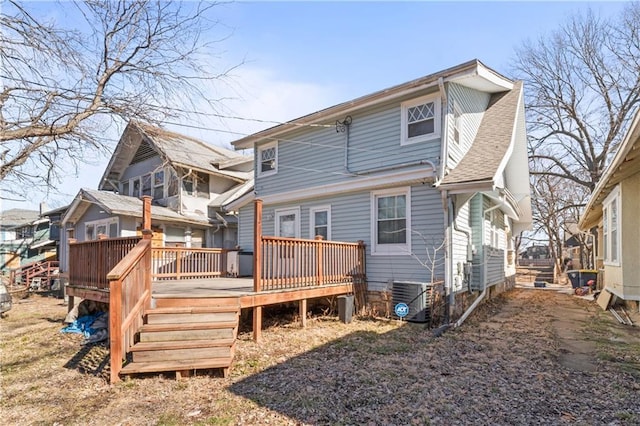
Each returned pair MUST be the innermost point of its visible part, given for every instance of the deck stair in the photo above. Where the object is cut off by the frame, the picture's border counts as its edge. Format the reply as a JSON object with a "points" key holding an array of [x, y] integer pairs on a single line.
{"points": [[183, 339]]}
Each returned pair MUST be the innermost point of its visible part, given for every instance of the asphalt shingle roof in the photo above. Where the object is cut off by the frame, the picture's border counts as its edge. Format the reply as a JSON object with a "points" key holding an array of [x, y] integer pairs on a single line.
{"points": [[492, 140]]}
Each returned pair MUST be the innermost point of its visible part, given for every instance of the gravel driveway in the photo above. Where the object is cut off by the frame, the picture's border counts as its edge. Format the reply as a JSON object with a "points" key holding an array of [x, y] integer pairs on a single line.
{"points": [[528, 357]]}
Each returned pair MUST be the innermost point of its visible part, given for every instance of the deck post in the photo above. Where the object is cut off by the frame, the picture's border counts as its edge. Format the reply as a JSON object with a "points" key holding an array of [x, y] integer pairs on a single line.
{"points": [[257, 267], [146, 214], [303, 312], [115, 329]]}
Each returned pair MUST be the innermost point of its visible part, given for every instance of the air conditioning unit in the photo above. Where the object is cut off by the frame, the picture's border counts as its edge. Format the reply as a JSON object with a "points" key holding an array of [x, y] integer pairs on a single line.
{"points": [[416, 296]]}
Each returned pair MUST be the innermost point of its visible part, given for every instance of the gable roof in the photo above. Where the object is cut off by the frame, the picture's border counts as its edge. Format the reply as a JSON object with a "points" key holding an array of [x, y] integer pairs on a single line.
{"points": [[122, 205], [174, 148], [494, 138], [472, 74], [16, 217], [624, 164]]}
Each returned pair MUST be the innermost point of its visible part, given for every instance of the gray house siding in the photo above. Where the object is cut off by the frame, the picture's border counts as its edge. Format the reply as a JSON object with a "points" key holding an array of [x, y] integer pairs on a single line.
{"points": [[141, 168], [488, 262], [351, 221], [472, 104], [461, 234], [94, 212], [311, 158]]}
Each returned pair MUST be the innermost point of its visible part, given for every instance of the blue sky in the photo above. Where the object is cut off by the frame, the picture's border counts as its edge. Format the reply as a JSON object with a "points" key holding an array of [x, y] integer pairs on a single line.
{"points": [[300, 57]]}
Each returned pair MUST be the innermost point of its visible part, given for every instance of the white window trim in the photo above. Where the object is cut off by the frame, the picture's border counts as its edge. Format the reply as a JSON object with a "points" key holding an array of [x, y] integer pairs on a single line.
{"points": [[390, 249], [613, 197], [312, 220], [259, 159], [285, 212], [404, 139], [99, 222]]}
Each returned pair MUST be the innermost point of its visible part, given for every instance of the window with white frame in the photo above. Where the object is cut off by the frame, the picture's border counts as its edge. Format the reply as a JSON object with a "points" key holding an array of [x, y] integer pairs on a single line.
{"points": [[146, 184], [268, 159], [420, 119], [287, 223], [158, 185], [457, 123], [611, 227], [94, 228], [320, 221], [136, 187], [196, 184], [493, 234], [391, 221]]}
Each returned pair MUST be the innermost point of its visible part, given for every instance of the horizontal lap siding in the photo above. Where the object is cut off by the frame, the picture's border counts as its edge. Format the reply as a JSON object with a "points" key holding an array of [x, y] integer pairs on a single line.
{"points": [[427, 221], [245, 227], [313, 157], [351, 222], [472, 105], [460, 243]]}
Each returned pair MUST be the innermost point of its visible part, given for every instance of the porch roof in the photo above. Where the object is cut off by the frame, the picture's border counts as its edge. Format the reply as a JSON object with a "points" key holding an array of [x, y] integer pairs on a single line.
{"points": [[121, 205]]}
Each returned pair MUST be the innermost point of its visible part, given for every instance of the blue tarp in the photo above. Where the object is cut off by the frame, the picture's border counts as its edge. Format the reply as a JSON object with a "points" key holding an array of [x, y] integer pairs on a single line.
{"points": [[83, 325]]}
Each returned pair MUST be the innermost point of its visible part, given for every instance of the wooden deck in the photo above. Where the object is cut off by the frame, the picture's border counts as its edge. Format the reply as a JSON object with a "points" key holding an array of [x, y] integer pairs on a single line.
{"points": [[207, 292], [174, 309]]}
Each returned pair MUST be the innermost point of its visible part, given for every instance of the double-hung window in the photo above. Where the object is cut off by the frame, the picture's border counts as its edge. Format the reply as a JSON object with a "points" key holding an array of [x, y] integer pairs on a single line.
{"points": [[391, 221], [158, 185], [611, 227], [268, 159], [320, 221], [420, 119], [457, 123]]}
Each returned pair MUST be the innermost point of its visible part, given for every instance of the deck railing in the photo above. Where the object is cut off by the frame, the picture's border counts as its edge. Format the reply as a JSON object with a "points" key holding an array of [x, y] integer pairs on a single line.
{"points": [[171, 263], [40, 269], [91, 261], [288, 263], [129, 298]]}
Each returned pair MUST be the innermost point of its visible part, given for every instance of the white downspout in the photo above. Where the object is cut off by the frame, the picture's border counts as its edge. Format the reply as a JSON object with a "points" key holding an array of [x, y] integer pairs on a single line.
{"points": [[479, 299]]}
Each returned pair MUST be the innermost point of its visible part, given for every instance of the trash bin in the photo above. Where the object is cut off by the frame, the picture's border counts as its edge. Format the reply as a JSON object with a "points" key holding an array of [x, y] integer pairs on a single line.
{"points": [[345, 308], [581, 277]]}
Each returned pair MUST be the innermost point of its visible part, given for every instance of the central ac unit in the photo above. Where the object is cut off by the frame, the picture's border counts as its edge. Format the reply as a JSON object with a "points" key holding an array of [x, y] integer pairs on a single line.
{"points": [[416, 295]]}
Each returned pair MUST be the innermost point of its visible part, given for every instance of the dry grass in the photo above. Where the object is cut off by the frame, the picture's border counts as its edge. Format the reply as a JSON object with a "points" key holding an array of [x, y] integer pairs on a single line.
{"points": [[501, 367]]}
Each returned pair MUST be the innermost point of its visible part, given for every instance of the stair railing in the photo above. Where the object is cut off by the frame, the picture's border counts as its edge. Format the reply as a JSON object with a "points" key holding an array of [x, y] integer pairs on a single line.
{"points": [[129, 299]]}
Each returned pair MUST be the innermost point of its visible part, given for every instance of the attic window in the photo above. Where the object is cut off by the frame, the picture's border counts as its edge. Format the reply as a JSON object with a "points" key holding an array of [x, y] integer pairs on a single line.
{"points": [[268, 159], [420, 119]]}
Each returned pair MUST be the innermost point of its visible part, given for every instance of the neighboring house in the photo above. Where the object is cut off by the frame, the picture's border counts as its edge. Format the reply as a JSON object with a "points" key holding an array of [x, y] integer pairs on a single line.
{"points": [[187, 179], [26, 238], [612, 214], [536, 252], [431, 174]]}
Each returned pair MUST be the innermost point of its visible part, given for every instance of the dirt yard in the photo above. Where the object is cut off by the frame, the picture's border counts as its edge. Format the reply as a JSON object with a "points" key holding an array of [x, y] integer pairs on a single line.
{"points": [[529, 357]]}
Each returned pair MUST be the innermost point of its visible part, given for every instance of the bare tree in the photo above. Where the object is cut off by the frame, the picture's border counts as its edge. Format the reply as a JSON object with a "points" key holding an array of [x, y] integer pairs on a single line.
{"points": [[583, 84], [63, 86]]}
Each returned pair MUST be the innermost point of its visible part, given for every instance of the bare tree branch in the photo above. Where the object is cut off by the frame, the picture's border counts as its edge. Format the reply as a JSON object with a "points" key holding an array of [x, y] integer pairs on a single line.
{"points": [[144, 60]]}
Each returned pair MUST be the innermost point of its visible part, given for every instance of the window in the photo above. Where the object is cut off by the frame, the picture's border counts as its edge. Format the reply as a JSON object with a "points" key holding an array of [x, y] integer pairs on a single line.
{"points": [[125, 188], [196, 184], [420, 119], [158, 185], [457, 123], [108, 227], [492, 236], [146, 185], [611, 227], [391, 222], [287, 223], [268, 159], [136, 188], [172, 190], [320, 220]]}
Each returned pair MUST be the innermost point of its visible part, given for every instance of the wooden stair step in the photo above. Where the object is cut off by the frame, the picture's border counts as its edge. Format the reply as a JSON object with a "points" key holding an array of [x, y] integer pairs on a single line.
{"points": [[155, 367], [183, 354], [181, 344], [185, 318], [150, 328], [194, 334], [194, 310]]}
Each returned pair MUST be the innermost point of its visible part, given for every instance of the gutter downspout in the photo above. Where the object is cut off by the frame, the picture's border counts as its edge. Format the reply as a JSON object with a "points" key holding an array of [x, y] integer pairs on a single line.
{"points": [[444, 153], [479, 299]]}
